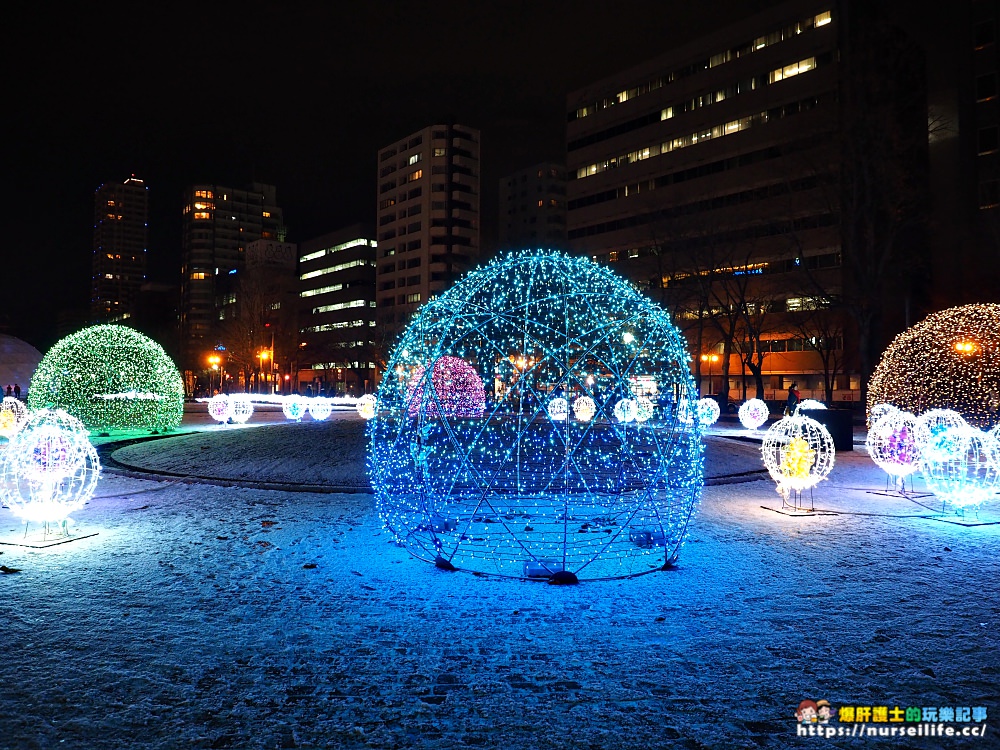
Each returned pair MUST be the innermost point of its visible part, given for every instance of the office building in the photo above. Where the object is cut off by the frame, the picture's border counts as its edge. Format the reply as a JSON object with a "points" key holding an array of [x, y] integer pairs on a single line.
{"points": [[427, 216], [118, 264], [218, 223], [533, 208], [339, 345], [724, 178]]}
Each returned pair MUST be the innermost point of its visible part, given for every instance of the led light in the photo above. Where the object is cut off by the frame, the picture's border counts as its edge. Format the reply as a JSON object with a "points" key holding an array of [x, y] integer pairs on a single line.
{"points": [[110, 377], [293, 407], [892, 443], [320, 408], [753, 413], [218, 407], [513, 487], [240, 407], [961, 466], [798, 453], [366, 406], [707, 411], [13, 415], [809, 403]]}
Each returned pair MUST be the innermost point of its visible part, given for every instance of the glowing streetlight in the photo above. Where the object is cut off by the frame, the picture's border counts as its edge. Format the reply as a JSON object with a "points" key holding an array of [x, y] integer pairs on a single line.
{"points": [[711, 359]]}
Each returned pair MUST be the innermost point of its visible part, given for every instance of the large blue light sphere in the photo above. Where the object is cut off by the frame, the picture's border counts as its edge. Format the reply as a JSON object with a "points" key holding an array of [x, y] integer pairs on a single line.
{"points": [[512, 490]]}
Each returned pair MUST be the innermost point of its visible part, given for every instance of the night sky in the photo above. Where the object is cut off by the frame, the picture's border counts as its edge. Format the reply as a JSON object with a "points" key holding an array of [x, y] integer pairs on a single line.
{"points": [[301, 95]]}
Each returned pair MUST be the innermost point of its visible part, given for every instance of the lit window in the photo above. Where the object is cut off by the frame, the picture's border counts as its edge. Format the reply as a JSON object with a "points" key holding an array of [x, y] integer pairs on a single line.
{"points": [[822, 19], [199, 275], [202, 215], [540, 202], [792, 70], [414, 159], [204, 194], [111, 203], [267, 214], [274, 306], [439, 152], [415, 175], [667, 113], [411, 298]]}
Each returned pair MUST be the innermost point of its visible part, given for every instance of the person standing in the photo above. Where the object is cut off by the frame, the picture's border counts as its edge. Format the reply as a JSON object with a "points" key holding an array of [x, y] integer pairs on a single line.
{"points": [[793, 399], [17, 391]]}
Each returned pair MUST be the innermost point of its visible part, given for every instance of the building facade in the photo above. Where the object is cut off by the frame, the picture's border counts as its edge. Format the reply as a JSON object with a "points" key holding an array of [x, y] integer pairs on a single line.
{"points": [[714, 177], [427, 217], [533, 208], [217, 225], [121, 235], [339, 347]]}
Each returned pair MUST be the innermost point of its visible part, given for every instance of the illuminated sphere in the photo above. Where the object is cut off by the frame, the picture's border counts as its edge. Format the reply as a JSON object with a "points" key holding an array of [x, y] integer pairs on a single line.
{"points": [[584, 408], [626, 410], [13, 415], [49, 468], [515, 490], [366, 406], [558, 409], [876, 412], [320, 408], [218, 407], [753, 413], [962, 466], [932, 423], [293, 407], [892, 443], [240, 407], [950, 360], [643, 409], [110, 377], [456, 390], [809, 403], [707, 411], [798, 453]]}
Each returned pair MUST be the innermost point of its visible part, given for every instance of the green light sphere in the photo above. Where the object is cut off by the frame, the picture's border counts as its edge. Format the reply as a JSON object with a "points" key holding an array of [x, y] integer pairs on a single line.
{"points": [[110, 377]]}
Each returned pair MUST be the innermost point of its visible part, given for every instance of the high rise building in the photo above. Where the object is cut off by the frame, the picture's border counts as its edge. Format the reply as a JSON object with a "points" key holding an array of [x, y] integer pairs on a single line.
{"points": [[533, 207], [218, 224], [743, 179], [428, 217], [339, 342], [118, 264]]}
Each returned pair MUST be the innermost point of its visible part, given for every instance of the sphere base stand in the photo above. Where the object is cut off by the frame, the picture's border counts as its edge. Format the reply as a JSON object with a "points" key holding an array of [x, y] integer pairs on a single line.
{"points": [[440, 562], [563, 578]]}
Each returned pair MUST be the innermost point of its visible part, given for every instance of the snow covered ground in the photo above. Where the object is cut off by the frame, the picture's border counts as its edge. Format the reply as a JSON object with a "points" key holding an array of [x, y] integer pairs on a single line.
{"points": [[212, 616]]}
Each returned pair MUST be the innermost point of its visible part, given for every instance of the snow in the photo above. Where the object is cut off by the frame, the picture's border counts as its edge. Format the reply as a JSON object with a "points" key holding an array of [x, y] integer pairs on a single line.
{"points": [[209, 616]]}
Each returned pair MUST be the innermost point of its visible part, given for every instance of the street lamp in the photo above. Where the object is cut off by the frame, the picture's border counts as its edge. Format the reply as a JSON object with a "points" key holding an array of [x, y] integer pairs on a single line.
{"points": [[214, 360], [711, 359], [264, 355]]}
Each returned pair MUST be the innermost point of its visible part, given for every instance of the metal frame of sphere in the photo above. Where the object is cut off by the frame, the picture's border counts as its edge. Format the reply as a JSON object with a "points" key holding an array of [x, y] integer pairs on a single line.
{"points": [[753, 413], [961, 466], [798, 453]]}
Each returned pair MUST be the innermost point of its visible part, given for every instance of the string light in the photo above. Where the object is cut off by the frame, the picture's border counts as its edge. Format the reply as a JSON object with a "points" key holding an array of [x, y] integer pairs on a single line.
{"points": [[753, 413], [950, 360], [932, 423], [240, 407], [961, 466], [558, 409], [877, 411], [456, 390], [92, 373], [49, 468], [516, 488], [798, 453], [643, 409], [320, 408], [293, 407], [809, 403], [13, 415], [707, 411], [366, 406], [892, 443], [218, 407]]}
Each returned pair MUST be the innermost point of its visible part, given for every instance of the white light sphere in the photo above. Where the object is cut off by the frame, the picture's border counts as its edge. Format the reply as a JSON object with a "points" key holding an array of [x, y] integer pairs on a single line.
{"points": [[962, 466], [809, 403], [892, 443], [643, 409], [293, 407], [753, 413], [13, 415], [49, 469], [558, 409], [686, 411], [240, 407], [934, 422], [798, 453], [584, 408], [320, 408], [366, 406], [878, 411], [626, 410], [708, 411], [218, 407]]}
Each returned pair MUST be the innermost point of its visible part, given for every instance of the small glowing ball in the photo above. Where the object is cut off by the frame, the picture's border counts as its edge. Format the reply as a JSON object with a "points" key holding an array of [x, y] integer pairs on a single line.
{"points": [[110, 377], [8, 423], [962, 466], [798, 453], [950, 360], [584, 408], [753, 413], [626, 410], [892, 443], [876, 412], [13, 415], [517, 489], [218, 407], [293, 407], [809, 403], [708, 411], [932, 423], [643, 409], [240, 407], [558, 409], [49, 469], [320, 408], [456, 390], [366, 406]]}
